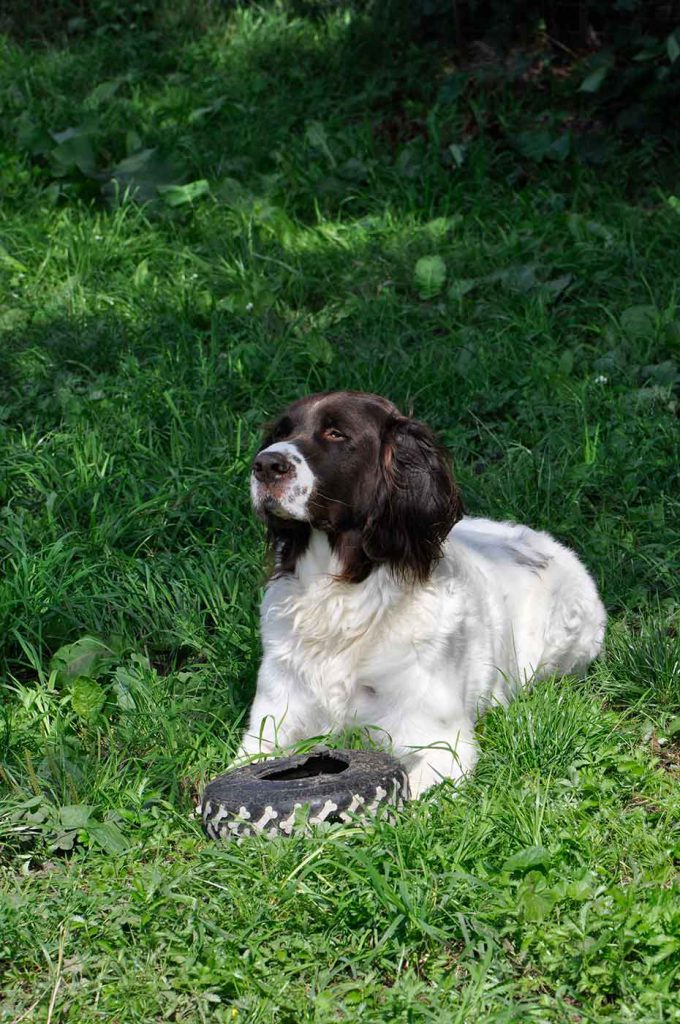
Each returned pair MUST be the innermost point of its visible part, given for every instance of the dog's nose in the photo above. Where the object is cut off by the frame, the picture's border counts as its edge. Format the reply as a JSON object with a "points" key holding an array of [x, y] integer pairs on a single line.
{"points": [[269, 467]]}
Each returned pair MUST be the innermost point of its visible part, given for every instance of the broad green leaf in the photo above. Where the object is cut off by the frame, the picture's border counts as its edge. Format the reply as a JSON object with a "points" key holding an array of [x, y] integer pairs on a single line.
{"points": [[542, 145], [180, 195], [650, 51], [451, 88], [430, 275], [103, 92], [200, 112], [460, 287], [580, 227], [124, 698], [535, 906], [639, 321], [74, 132], [319, 348], [593, 227], [64, 841], [580, 888], [33, 137], [669, 945], [74, 815], [87, 697], [231, 192], [673, 727], [133, 142], [11, 319], [518, 278], [275, 220], [440, 226], [533, 145], [556, 285], [107, 835], [458, 151], [672, 48], [10, 261], [560, 148], [593, 148], [254, 300], [135, 163], [143, 172], [566, 362], [551, 289], [411, 162], [75, 150], [664, 373], [593, 81], [530, 857], [316, 137], [141, 273], [85, 657], [353, 169]]}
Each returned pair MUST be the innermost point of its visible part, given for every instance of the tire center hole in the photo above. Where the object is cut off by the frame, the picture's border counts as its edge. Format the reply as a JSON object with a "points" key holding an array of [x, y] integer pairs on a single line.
{"points": [[317, 764]]}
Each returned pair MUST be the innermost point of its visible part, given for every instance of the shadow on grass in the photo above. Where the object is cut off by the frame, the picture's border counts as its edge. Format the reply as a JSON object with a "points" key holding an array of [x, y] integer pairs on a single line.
{"points": [[234, 100]]}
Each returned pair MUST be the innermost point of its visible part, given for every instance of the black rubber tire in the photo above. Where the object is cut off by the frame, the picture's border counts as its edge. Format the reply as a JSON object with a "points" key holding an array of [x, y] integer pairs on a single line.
{"points": [[284, 795]]}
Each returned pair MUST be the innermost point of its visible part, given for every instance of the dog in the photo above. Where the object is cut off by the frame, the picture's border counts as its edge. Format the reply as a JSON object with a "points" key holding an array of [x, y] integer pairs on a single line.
{"points": [[387, 607]]}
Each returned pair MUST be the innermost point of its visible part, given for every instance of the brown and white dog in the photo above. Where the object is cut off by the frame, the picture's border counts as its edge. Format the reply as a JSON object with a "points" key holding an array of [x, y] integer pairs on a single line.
{"points": [[387, 608]]}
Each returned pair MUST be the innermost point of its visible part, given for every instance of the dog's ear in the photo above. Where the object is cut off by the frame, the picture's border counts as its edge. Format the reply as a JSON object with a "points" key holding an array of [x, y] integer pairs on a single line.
{"points": [[416, 501]]}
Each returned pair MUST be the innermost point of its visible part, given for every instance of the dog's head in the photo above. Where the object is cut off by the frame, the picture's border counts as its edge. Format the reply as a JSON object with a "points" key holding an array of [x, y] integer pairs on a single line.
{"points": [[376, 482]]}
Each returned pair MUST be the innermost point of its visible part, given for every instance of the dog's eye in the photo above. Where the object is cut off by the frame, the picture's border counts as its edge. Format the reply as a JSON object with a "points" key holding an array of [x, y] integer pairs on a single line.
{"points": [[332, 434]]}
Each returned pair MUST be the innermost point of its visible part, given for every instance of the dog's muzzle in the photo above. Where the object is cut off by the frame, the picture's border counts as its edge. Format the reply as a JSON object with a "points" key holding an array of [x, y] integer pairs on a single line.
{"points": [[281, 482]]}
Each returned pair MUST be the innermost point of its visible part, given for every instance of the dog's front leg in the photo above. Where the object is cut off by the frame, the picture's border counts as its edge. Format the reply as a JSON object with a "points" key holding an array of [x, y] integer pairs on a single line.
{"points": [[433, 755], [282, 712]]}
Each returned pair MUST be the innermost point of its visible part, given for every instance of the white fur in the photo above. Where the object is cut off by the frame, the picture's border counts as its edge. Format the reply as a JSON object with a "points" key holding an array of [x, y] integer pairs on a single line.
{"points": [[504, 606], [292, 492]]}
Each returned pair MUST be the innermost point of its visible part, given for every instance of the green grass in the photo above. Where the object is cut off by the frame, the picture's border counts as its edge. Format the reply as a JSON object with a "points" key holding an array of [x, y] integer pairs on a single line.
{"points": [[142, 346]]}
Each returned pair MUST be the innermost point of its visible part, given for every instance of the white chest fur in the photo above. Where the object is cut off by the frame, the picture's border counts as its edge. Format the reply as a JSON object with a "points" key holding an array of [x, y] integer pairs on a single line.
{"points": [[328, 632]]}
